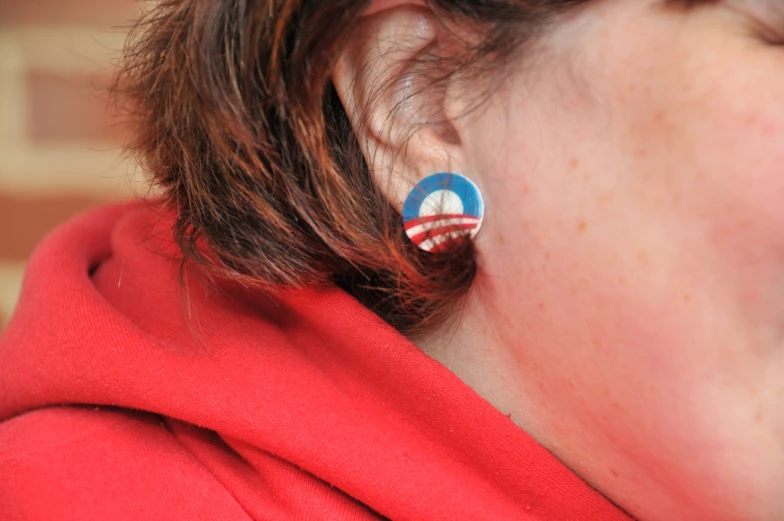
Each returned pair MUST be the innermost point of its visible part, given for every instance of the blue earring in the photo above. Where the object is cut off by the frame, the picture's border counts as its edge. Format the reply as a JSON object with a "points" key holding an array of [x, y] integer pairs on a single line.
{"points": [[441, 208]]}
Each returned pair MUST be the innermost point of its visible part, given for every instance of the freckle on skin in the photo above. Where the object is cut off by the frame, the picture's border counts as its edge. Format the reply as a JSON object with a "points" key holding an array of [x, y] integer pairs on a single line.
{"points": [[582, 226], [686, 297], [574, 163], [500, 239], [751, 119]]}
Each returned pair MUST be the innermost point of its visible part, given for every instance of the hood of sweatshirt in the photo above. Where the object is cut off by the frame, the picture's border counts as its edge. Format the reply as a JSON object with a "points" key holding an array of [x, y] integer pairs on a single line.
{"points": [[207, 399]]}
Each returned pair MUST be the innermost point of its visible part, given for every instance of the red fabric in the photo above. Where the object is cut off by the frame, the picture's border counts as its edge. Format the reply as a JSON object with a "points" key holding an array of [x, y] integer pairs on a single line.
{"points": [[115, 406]]}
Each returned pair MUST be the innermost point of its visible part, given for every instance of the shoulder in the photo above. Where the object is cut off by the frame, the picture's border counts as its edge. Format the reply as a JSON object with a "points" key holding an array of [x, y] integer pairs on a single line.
{"points": [[103, 463]]}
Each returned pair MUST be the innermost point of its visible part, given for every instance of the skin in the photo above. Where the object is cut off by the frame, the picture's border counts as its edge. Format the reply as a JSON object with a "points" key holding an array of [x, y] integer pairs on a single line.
{"points": [[629, 311]]}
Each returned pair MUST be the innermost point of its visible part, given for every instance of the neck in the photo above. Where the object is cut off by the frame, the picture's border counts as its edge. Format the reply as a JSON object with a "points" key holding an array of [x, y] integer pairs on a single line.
{"points": [[471, 349]]}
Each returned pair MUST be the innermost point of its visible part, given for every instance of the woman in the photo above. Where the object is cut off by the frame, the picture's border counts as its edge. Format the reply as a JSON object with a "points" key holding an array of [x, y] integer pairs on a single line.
{"points": [[286, 335]]}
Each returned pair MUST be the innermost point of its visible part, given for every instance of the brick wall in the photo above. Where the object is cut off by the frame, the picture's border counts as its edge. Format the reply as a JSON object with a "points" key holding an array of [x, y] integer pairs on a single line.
{"points": [[59, 139]]}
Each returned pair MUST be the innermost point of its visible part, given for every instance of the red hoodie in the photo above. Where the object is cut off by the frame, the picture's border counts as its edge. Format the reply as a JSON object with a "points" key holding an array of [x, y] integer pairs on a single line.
{"points": [[122, 400]]}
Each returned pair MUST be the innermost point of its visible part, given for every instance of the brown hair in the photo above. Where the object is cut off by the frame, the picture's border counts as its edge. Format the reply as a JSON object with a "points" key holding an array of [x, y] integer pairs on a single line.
{"points": [[238, 122]]}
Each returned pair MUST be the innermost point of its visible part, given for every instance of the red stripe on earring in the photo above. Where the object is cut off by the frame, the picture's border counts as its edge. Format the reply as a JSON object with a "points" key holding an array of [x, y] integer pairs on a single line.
{"points": [[444, 230], [430, 218]]}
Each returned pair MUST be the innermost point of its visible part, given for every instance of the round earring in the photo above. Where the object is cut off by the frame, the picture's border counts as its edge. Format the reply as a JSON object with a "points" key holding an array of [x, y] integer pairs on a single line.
{"points": [[441, 208]]}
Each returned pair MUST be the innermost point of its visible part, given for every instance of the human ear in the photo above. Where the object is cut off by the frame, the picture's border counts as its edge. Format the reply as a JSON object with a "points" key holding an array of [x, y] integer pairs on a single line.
{"points": [[392, 81]]}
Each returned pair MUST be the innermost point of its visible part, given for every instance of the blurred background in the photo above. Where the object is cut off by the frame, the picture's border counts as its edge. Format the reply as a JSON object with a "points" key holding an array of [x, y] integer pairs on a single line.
{"points": [[60, 138]]}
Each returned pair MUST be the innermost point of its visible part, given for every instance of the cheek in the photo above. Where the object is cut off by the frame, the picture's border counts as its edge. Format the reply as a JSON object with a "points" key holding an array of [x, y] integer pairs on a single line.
{"points": [[743, 209], [635, 260], [640, 270], [708, 155]]}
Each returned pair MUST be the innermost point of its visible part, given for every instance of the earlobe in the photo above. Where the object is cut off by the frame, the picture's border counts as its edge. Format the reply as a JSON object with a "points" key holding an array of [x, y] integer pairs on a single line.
{"points": [[384, 78], [443, 208]]}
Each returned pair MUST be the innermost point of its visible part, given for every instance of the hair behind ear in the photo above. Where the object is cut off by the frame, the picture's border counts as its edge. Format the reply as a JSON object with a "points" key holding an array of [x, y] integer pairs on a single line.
{"points": [[238, 123]]}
